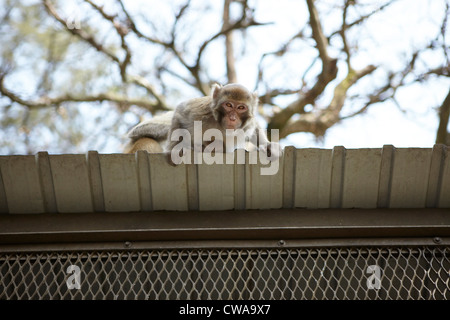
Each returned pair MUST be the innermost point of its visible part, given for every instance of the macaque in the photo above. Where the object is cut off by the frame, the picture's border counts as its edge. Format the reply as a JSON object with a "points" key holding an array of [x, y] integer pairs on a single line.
{"points": [[150, 135], [229, 110], [211, 124]]}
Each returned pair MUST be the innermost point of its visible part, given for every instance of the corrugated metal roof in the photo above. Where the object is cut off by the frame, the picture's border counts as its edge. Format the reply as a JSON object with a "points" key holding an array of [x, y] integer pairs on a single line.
{"points": [[385, 177]]}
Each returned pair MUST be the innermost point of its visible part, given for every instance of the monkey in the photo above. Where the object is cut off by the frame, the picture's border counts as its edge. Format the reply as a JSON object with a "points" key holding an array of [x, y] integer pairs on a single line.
{"points": [[147, 144], [227, 109], [150, 135]]}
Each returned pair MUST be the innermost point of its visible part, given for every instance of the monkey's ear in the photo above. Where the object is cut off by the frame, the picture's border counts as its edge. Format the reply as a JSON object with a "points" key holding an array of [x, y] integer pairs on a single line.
{"points": [[255, 96], [215, 90]]}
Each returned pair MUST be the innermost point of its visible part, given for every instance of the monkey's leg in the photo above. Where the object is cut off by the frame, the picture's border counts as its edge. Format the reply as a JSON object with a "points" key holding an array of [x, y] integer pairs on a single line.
{"points": [[147, 144]]}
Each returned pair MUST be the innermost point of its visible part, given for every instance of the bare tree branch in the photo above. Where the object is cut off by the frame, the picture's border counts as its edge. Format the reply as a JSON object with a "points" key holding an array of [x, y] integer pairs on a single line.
{"points": [[122, 31], [444, 26], [145, 84], [169, 46], [45, 101], [318, 36], [177, 63], [345, 48], [280, 52], [79, 32], [238, 25], [363, 18], [229, 47], [444, 115], [329, 72], [267, 98], [318, 122]]}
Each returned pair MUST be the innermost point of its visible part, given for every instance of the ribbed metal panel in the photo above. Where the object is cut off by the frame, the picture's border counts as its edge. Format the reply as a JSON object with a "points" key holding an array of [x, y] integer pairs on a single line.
{"points": [[387, 177]]}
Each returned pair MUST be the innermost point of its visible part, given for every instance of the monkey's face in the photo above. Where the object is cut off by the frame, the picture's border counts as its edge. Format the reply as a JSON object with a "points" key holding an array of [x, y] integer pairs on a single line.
{"points": [[233, 105], [234, 114]]}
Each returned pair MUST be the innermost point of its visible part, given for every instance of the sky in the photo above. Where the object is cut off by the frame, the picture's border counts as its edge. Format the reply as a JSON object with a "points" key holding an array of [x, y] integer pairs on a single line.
{"points": [[412, 123], [384, 40]]}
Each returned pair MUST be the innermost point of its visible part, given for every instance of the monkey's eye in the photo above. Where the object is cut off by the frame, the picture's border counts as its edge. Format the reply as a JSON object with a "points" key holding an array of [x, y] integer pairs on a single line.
{"points": [[242, 107], [228, 105]]}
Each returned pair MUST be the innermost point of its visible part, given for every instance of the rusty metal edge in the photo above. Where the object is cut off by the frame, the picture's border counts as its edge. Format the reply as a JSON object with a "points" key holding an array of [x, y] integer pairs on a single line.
{"points": [[369, 243], [286, 224]]}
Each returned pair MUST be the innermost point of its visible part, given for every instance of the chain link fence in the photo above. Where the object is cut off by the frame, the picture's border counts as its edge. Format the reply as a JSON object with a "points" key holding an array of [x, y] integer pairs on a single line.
{"points": [[281, 273]]}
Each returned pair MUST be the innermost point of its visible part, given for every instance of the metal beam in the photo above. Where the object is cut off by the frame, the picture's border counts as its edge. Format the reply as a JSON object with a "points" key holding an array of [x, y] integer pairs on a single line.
{"points": [[285, 224]]}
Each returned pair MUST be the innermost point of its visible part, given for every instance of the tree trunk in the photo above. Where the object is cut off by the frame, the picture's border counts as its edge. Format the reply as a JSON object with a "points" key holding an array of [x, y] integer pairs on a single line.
{"points": [[444, 114], [229, 48]]}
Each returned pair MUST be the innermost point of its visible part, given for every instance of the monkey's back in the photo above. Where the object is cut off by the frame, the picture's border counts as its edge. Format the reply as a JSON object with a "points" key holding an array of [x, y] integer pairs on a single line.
{"points": [[156, 128], [197, 109]]}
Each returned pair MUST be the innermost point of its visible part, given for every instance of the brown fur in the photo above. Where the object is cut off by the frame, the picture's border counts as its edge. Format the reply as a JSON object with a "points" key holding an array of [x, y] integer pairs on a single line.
{"points": [[150, 135], [146, 144], [209, 110]]}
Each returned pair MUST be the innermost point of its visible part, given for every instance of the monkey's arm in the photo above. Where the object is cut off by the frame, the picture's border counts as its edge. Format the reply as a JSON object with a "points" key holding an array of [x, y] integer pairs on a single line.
{"points": [[273, 149]]}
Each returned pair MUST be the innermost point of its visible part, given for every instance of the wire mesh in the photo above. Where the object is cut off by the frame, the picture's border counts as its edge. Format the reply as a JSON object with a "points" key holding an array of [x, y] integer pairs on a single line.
{"points": [[287, 273]]}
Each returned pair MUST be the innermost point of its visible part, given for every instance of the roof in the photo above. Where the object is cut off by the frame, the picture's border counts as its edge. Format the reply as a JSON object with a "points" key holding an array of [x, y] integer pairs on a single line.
{"points": [[309, 178]]}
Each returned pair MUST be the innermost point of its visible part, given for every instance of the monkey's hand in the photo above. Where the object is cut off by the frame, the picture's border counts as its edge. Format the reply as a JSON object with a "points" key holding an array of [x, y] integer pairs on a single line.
{"points": [[272, 150]]}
